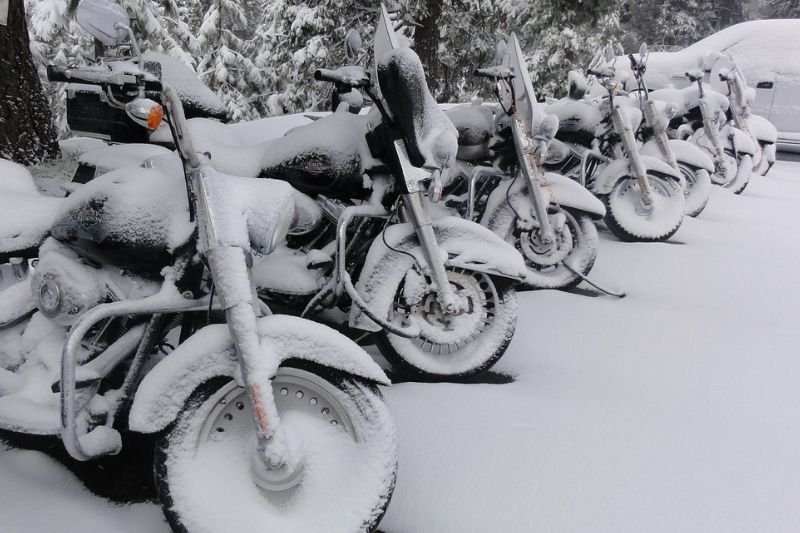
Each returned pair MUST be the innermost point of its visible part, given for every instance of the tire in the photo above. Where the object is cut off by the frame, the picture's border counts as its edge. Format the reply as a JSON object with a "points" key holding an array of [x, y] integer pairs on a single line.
{"points": [[205, 478], [578, 248], [698, 189], [460, 353], [763, 167], [742, 177], [659, 223]]}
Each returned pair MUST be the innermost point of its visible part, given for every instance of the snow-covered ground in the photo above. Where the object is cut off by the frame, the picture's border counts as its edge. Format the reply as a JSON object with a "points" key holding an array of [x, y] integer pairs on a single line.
{"points": [[676, 409]]}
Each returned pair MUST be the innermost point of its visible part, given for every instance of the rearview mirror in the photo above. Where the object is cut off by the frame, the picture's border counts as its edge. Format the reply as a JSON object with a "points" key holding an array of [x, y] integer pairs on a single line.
{"points": [[352, 45], [609, 54], [103, 20]]}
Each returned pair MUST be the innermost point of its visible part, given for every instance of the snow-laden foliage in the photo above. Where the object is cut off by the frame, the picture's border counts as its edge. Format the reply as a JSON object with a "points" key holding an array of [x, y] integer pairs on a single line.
{"points": [[225, 65], [561, 35], [296, 38]]}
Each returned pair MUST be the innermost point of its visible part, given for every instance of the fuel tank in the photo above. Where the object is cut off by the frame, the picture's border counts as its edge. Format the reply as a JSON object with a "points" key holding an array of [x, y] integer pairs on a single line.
{"points": [[133, 218]]}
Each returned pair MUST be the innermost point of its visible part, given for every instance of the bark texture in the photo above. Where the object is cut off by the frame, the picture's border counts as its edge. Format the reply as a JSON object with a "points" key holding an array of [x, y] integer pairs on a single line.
{"points": [[27, 134]]}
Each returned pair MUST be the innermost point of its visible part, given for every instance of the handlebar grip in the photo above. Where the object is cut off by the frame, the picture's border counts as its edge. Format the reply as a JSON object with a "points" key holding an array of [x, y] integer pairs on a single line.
{"points": [[57, 74], [326, 75]]}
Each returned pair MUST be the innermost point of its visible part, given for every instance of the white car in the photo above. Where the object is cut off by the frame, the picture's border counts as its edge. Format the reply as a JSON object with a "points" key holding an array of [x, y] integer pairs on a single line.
{"points": [[766, 51]]}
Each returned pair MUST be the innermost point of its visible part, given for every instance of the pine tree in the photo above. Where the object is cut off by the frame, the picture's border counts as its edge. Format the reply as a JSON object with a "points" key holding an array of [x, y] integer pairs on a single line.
{"points": [[561, 35], [784, 9], [296, 38], [26, 130], [224, 65], [667, 23]]}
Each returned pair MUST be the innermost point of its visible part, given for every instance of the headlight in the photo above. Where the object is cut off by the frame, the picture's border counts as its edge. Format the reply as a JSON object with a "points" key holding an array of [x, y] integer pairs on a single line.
{"points": [[671, 111], [49, 297]]}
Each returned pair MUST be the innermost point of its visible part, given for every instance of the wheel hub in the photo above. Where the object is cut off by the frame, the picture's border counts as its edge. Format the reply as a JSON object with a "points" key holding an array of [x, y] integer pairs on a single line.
{"points": [[440, 327], [537, 252]]}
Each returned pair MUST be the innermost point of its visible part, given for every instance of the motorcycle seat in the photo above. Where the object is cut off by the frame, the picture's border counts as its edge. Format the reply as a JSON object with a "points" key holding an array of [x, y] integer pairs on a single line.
{"points": [[25, 214], [327, 156], [430, 138], [475, 126]]}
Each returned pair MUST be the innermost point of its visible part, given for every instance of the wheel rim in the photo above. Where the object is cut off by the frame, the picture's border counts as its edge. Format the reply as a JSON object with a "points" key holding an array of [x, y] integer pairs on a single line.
{"points": [[207, 484], [443, 334], [647, 222], [294, 390]]}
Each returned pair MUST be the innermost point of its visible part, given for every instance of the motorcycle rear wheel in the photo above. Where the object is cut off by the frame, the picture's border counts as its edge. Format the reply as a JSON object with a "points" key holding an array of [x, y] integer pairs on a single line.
{"points": [[210, 480], [476, 340], [629, 222]]}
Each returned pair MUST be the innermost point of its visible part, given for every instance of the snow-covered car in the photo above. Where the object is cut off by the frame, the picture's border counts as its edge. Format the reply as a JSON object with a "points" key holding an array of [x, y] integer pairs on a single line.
{"points": [[766, 51]]}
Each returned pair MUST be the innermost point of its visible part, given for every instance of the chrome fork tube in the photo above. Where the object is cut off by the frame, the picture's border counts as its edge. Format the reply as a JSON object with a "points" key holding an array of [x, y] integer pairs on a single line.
{"points": [[533, 173], [417, 213], [625, 132]]}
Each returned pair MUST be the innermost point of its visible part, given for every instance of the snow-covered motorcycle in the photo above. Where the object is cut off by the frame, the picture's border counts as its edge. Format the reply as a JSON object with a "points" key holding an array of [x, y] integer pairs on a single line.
{"points": [[596, 145], [763, 133], [684, 157], [271, 423], [701, 119], [548, 217]]}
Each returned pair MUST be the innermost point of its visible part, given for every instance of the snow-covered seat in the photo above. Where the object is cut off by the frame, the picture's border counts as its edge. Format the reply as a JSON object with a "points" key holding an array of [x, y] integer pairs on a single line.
{"points": [[25, 214], [475, 125]]}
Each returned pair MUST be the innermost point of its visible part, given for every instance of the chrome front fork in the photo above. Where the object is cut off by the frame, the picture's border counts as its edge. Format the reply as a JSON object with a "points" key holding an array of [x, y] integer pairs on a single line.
{"points": [[533, 173], [416, 212], [625, 131]]}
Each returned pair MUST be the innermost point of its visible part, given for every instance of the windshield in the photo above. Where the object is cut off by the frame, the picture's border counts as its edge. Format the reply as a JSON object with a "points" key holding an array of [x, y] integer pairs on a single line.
{"points": [[527, 108]]}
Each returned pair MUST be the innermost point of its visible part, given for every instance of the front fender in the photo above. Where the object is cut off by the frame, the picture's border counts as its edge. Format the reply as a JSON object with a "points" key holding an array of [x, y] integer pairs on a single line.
{"points": [[620, 168], [209, 353], [692, 155], [569, 193], [468, 245], [762, 129], [743, 142]]}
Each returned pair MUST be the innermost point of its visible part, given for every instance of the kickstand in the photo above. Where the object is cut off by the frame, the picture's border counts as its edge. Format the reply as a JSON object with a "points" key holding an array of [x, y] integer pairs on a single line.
{"points": [[610, 292]]}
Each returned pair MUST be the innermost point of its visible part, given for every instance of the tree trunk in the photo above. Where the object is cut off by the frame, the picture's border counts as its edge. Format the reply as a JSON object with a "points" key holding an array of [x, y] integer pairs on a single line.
{"points": [[27, 134], [426, 43]]}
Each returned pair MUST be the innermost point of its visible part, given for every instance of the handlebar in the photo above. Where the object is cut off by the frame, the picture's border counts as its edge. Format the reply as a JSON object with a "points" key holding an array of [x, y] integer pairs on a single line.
{"points": [[496, 72], [94, 76], [350, 76], [600, 73]]}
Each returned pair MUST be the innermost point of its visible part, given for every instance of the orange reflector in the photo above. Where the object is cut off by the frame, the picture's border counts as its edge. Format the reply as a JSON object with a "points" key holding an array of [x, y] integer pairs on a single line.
{"points": [[154, 117]]}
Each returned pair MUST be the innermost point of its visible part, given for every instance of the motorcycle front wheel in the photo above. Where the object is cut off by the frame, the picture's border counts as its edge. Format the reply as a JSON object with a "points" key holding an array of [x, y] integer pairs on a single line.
{"points": [[210, 478], [576, 245], [698, 189], [630, 220], [452, 346]]}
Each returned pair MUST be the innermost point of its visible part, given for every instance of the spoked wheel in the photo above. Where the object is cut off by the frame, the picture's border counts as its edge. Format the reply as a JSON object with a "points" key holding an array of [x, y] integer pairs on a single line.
{"points": [[576, 244], [741, 176], [629, 219], [452, 345], [698, 189], [211, 479]]}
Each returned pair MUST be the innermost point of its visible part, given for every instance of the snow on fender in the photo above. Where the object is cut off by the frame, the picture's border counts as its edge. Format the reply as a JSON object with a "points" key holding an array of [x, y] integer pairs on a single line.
{"points": [[209, 353], [620, 168], [469, 246]]}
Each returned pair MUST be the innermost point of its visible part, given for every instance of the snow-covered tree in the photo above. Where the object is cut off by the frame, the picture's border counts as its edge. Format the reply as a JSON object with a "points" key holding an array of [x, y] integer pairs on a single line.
{"points": [[296, 38], [26, 130], [667, 23], [785, 9], [560, 35], [224, 63]]}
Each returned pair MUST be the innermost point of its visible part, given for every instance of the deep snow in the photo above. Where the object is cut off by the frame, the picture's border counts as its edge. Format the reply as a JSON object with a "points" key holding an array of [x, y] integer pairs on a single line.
{"points": [[674, 409]]}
